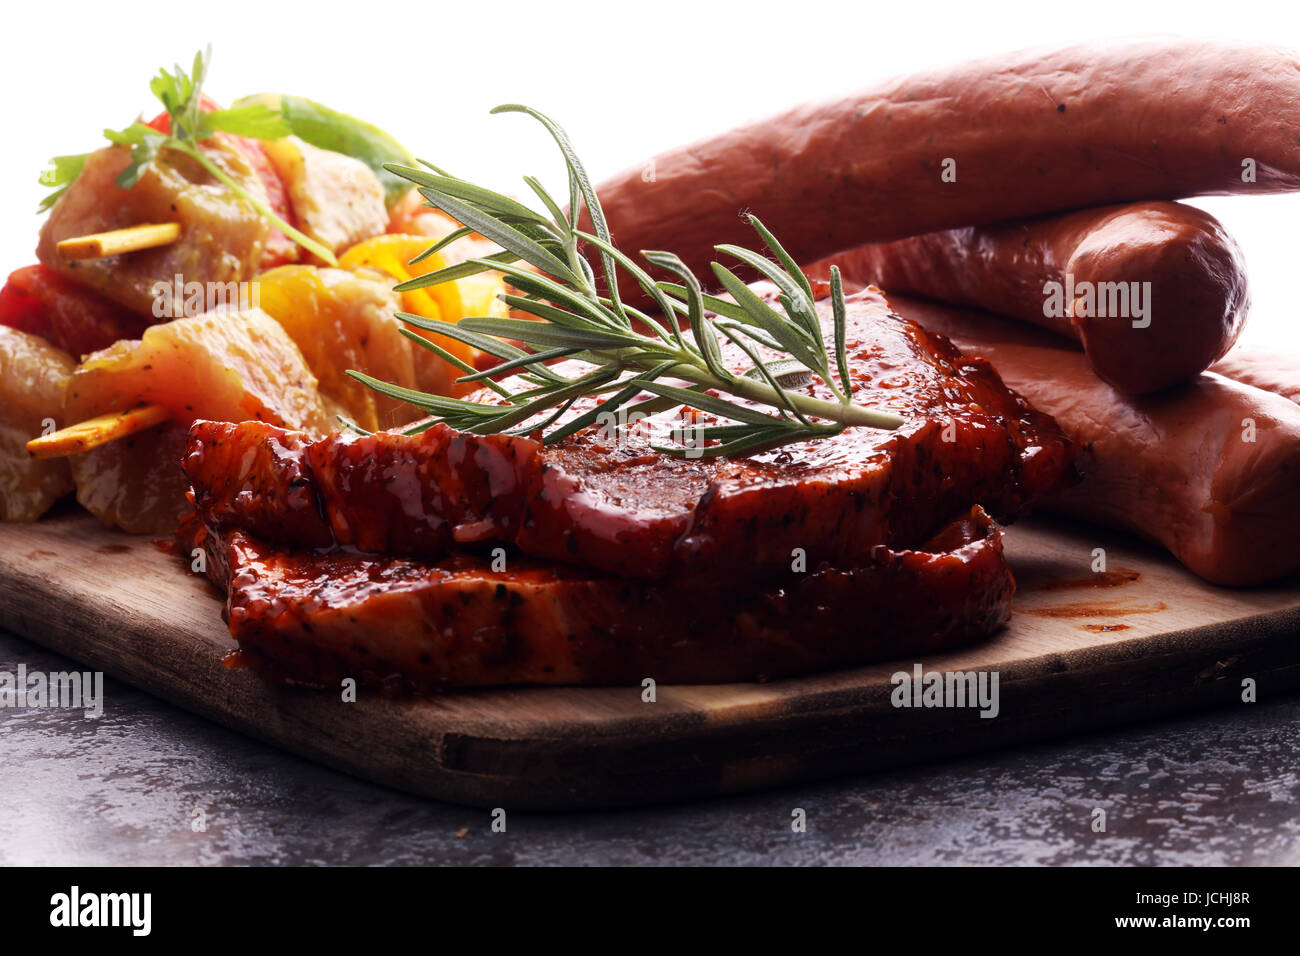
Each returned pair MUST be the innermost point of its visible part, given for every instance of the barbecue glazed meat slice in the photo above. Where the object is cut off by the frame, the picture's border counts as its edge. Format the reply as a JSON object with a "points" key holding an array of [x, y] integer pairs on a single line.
{"points": [[285, 507], [607, 501], [316, 618], [433, 491]]}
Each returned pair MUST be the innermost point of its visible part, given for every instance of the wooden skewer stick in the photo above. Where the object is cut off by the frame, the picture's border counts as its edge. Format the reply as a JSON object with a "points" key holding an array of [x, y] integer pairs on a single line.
{"points": [[131, 239], [94, 432]]}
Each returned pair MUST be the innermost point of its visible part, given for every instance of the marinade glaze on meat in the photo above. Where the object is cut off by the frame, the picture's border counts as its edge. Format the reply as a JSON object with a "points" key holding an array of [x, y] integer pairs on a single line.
{"points": [[622, 562], [318, 616], [611, 503]]}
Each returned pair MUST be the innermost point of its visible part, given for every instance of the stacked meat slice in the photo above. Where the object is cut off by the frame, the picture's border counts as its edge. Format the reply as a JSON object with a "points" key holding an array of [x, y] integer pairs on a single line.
{"points": [[598, 559]]}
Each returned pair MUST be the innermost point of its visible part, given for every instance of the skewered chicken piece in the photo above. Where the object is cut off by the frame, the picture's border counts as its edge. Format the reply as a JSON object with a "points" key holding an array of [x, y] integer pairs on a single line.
{"points": [[337, 200], [33, 375], [232, 366], [222, 237], [343, 321]]}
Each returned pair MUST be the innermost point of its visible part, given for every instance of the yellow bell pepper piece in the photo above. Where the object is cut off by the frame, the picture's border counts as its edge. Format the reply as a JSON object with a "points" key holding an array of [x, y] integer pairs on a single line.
{"points": [[391, 255]]}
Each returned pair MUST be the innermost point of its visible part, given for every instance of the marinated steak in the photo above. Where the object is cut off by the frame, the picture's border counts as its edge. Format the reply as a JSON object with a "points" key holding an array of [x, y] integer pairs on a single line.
{"points": [[318, 617], [603, 499]]}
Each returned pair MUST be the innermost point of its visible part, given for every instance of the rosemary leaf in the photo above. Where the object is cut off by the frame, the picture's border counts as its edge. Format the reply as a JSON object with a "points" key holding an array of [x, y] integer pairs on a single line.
{"points": [[507, 237], [540, 191], [841, 346], [787, 262], [711, 404], [793, 339], [462, 270], [434, 403], [443, 243], [701, 331], [516, 415], [454, 360], [485, 199], [767, 376], [524, 361], [546, 333], [718, 306], [629, 391], [798, 306], [580, 182]]}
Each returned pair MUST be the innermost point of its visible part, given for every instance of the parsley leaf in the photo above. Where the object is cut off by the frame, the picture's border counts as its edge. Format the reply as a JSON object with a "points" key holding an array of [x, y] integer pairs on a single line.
{"points": [[144, 142], [62, 173], [181, 94]]}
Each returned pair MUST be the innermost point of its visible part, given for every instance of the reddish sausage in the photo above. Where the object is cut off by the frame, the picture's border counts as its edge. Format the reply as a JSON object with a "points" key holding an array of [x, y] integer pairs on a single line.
{"points": [[1029, 133], [1155, 291], [1210, 470], [1272, 371]]}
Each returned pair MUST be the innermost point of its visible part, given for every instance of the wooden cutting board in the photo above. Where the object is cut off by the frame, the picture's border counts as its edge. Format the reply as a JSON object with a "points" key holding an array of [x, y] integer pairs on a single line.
{"points": [[1083, 650]]}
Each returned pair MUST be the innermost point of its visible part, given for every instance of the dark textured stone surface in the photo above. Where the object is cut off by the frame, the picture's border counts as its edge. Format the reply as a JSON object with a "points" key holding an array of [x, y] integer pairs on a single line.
{"points": [[1219, 788]]}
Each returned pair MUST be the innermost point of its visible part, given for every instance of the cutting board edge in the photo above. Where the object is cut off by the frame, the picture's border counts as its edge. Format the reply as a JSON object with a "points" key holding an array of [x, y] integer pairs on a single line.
{"points": [[499, 763]]}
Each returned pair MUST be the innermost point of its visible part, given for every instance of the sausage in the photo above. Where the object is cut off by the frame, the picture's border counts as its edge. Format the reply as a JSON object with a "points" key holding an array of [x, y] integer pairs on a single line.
{"points": [[1155, 291], [1271, 371], [1028, 133], [1210, 470]]}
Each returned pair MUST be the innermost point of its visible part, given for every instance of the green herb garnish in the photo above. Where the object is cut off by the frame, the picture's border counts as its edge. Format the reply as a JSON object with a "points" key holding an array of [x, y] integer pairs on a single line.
{"points": [[62, 173], [576, 320], [181, 94]]}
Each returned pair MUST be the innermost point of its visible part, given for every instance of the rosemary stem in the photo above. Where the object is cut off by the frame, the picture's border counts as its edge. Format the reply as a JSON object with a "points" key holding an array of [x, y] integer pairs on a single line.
{"points": [[571, 252], [842, 412], [846, 413]]}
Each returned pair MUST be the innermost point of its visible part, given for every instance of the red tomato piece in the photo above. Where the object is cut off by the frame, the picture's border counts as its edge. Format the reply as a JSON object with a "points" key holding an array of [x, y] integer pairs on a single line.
{"points": [[19, 308], [38, 300]]}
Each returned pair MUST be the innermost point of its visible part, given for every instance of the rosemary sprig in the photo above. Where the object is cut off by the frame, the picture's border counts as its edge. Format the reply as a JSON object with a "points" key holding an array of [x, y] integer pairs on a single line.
{"points": [[629, 350]]}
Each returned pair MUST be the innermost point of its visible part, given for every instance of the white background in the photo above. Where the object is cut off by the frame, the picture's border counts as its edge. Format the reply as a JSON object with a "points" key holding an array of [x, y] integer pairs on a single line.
{"points": [[626, 79]]}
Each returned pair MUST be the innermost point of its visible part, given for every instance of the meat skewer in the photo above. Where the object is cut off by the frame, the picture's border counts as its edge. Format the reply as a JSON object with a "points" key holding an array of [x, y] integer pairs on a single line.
{"points": [[224, 365], [340, 320], [100, 430], [83, 436], [120, 241]]}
